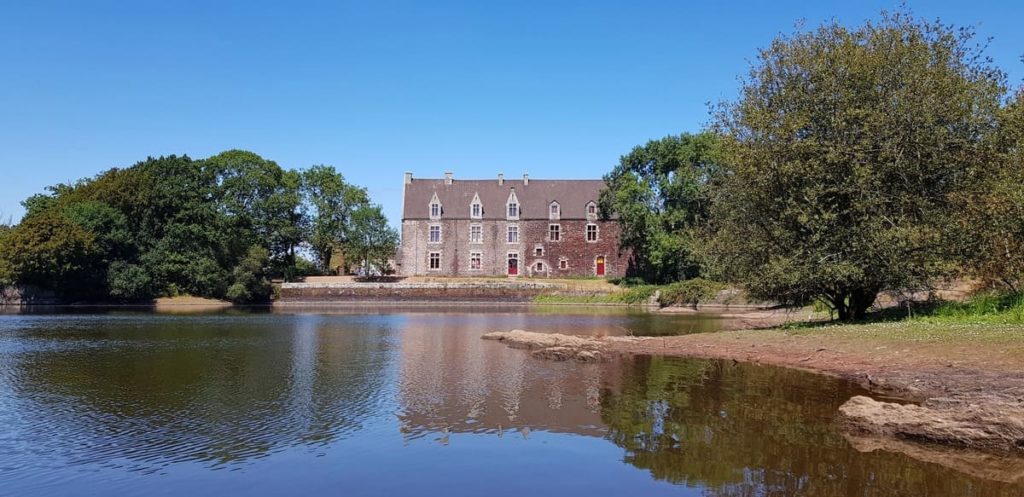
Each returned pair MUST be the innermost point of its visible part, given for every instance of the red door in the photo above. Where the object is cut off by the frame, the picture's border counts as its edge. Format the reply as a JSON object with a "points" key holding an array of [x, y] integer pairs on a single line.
{"points": [[513, 264], [600, 265]]}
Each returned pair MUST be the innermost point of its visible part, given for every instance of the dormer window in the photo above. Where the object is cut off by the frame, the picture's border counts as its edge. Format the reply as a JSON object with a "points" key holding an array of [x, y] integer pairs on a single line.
{"points": [[591, 210], [554, 211], [476, 209], [435, 207], [513, 206]]}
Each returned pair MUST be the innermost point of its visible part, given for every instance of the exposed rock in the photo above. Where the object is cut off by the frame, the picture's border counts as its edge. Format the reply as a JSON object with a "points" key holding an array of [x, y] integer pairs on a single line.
{"points": [[520, 339], [553, 346], [990, 424]]}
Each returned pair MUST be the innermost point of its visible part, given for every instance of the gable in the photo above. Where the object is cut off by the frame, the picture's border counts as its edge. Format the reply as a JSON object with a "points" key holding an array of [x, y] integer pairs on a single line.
{"points": [[534, 198]]}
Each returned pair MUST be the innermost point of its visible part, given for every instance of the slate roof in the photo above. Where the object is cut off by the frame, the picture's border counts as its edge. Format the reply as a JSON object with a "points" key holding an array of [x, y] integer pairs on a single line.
{"points": [[572, 196]]}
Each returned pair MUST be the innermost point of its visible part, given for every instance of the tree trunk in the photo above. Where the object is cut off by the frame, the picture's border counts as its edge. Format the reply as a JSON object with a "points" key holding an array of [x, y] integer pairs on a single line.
{"points": [[861, 299], [838, 301]]}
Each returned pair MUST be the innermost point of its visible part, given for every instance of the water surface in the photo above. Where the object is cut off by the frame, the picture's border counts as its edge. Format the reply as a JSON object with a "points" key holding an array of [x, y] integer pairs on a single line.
{"points": [[413, 402]]}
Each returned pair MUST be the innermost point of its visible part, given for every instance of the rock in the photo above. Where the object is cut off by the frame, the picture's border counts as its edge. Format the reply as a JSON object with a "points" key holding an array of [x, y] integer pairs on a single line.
{"points": [[988, 424], [552, 346]]}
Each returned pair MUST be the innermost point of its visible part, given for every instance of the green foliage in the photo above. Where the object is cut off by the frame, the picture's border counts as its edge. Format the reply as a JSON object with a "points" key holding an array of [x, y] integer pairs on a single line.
{"points": [[844, 155], [371, 241], [659, 193], [218, 228], [305, 267], [250, 282], [987, 307], [993, 220], [690, 292], [50, 251], [332, 202], [129, 282]]}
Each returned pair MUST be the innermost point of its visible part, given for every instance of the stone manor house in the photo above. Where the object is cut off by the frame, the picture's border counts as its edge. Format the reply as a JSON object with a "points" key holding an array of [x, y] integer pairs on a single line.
{"points": [[499, 227]]}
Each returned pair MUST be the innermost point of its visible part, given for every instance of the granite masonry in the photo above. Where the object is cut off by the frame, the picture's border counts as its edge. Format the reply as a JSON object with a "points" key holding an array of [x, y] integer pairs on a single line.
{"points": [[499, 227]]}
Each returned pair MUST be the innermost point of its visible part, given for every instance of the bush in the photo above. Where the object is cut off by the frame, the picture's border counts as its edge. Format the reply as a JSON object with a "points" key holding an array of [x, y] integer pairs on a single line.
{"points": [[128, 281], [689, 292], [250, 278], [636, 295]]}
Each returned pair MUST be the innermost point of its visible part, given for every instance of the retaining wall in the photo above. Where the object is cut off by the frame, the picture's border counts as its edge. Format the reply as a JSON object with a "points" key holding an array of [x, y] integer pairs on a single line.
{"points": [[415, 292]]}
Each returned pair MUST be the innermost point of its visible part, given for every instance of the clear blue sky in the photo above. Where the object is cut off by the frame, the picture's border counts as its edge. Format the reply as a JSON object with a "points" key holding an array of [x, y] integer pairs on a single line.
{"points": [[375, 88]]}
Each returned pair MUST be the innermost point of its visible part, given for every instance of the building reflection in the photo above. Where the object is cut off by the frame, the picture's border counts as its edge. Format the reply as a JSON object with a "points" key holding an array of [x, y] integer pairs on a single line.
{"points": [[451, 381]]}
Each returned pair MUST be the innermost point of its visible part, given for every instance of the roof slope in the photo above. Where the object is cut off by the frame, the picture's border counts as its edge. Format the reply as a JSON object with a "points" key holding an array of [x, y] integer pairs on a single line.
{"points": [[572, 196]]}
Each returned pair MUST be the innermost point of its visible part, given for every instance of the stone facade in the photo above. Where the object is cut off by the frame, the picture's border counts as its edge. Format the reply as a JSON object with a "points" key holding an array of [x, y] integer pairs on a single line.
{"points": [[454, 248]]}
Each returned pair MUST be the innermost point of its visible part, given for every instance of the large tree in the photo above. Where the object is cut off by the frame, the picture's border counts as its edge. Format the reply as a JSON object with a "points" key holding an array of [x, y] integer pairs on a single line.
{"points": [[993, 220], [371, 241], [846, 148], [659, 193], [332, 202]]}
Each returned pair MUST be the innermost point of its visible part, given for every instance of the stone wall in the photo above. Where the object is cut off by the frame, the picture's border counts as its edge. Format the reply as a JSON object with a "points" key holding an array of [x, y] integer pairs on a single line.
{"points": [[414, 292], [455, 248]]}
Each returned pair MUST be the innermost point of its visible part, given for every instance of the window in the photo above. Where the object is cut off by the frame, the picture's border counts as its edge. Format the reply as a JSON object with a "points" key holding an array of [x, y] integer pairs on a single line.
{"points": [[591, 210], [513, 205], [591, 232], [434, 262], [513, 234], [435, 234], [476, 233], [563, 264], [475, 261], [476, 209], [554, 232], [538, 252], [539, 267], [554, 211], [435, 207]]}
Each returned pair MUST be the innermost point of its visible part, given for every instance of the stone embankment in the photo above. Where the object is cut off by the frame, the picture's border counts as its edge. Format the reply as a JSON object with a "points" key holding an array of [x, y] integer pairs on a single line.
{"points": [[468, 291]]}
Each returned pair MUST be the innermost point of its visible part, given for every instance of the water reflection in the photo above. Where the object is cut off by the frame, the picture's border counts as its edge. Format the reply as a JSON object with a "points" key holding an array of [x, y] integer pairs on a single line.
{"points": [[151, 392], [314, 403], [741, 429]]}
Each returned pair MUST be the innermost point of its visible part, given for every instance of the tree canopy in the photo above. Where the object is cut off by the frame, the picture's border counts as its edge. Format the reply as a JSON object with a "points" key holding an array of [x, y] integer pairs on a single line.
{"points": [[221, 227], [659, 193], [846, 150]]}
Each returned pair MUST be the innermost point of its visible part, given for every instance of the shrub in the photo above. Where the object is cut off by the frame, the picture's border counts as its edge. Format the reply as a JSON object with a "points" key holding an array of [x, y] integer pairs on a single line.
{"points": [[128, 281], [689, 292], [636, 295]]}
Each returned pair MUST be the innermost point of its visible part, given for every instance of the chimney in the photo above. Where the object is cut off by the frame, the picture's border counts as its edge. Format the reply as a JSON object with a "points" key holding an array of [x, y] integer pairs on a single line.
{"points": [[501, 179], [526, 179], [408, 177], [448, 177]]}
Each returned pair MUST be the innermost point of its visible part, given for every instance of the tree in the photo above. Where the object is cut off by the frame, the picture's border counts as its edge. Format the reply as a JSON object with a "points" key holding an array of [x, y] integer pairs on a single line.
{"points": [[263, 202], [845, 151], [993, 219], [50, 251], [332, 203], [251, 284], [370, 240], [659, 192]]}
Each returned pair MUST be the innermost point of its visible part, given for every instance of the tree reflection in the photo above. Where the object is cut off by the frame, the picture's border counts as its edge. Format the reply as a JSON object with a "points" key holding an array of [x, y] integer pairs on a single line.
{"points": [[142, 393], [742, 430]]}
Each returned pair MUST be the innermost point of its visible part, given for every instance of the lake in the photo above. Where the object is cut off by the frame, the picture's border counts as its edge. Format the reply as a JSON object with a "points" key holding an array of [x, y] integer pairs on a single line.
{"points": [[412, 402]]}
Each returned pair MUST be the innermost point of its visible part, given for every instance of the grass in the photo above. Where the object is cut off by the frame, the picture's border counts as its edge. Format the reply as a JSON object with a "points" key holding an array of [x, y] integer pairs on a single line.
{"points": [[985, 318], [631, 296]]}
